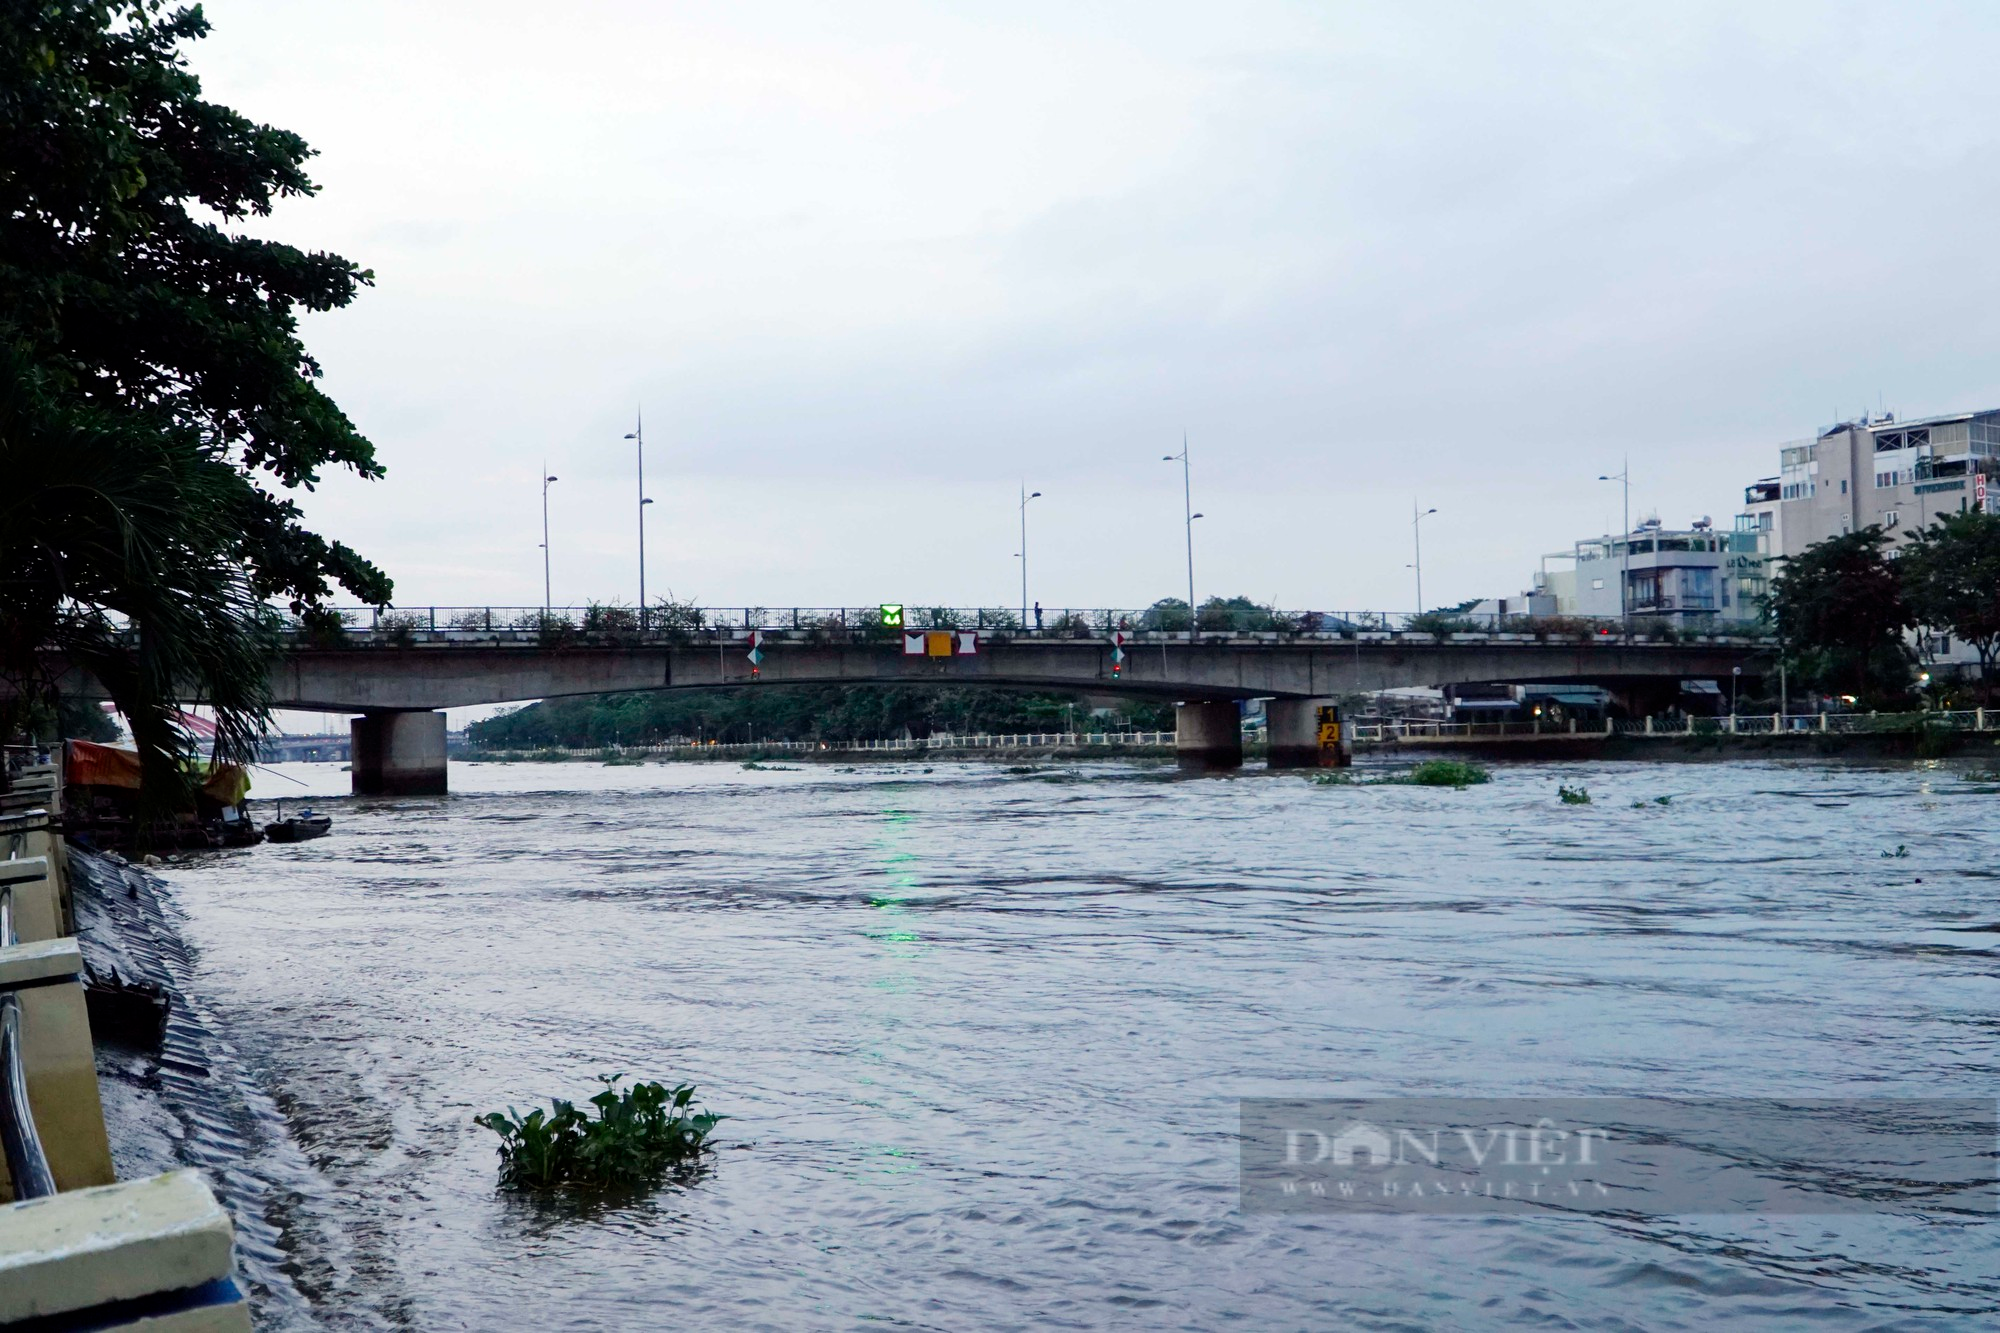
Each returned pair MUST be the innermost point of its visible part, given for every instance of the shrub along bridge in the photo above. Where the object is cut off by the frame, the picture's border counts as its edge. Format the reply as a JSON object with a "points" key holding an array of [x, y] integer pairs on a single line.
{"points": [[397, 669]]}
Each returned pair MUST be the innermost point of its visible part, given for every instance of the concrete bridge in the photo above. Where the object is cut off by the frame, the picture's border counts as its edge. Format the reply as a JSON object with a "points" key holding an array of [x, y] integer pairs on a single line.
{"points": [[396, 678]]}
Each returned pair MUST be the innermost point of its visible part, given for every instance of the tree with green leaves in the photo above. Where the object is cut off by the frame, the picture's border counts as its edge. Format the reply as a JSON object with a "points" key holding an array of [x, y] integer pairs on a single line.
{"points": [[1840, 610], [1951, 578], [156, 403]]}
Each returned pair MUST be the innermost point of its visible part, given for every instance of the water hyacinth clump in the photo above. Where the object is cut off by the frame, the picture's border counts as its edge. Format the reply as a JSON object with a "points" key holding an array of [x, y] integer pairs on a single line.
{"points": [[637, 1135], [1448, 773], [1430, 773]]}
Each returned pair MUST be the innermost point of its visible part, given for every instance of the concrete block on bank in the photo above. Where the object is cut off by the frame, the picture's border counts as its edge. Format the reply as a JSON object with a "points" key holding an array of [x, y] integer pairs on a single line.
{"points": [[36, 897], [59, 1062], [162, 1245], [39, 961]]}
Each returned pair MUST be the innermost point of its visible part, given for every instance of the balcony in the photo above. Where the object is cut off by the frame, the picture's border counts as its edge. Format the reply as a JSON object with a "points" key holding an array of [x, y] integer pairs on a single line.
{"points": [[1647, 603]]}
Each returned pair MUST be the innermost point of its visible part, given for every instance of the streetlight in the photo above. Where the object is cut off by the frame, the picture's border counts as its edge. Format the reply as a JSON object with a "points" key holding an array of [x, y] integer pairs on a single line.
{"points": [[1417, 537], [1735, 675], [546, 479], [1187, 505], [638, 436], [1624, 479], [1023, 552]]}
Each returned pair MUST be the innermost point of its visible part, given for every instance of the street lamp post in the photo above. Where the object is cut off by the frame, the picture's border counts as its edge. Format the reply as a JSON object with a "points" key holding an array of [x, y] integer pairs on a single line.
{"points": [[638, 437], [1417, 540], [546, 479], [1187, 508], [1624, 479], [1023, 552]]}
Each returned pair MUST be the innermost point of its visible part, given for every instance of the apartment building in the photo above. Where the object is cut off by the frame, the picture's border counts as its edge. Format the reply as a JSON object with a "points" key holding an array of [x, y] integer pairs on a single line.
{"points": [[1694, 575], [1898, 474]]}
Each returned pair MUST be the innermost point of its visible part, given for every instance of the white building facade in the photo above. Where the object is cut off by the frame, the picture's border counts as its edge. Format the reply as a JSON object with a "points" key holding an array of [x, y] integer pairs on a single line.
{"points": [[1691, 577]]}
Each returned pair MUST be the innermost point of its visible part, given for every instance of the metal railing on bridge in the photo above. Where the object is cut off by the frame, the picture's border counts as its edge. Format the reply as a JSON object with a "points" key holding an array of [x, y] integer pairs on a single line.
{"points": [[674, 622], [1738, 724], [686, 747]]}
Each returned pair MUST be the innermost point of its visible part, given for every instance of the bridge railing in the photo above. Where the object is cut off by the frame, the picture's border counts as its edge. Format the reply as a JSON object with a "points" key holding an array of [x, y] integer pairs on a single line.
{"points": [[1739, 724], [688, 745], [677, 622]]}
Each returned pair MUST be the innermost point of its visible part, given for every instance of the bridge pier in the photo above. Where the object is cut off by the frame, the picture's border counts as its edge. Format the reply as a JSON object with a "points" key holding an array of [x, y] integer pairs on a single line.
{"points": [[1293, 732], [398, 754], [1208, 737]]}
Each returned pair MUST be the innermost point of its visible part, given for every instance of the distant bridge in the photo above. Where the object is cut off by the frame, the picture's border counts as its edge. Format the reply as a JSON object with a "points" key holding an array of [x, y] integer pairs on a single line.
{"points": [[395, 669]]}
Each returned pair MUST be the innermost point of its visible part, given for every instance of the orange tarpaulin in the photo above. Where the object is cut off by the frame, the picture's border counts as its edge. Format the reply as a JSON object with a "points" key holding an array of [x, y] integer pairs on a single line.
{"points": [[87, 764]]}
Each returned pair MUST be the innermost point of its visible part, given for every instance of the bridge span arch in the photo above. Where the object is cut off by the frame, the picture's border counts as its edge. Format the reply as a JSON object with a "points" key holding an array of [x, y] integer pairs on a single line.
{"points": [[398, 682], [377, 673]]}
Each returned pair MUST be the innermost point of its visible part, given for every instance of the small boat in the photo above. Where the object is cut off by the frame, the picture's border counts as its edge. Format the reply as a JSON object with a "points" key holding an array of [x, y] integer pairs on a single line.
{"points": [[300, 827]]}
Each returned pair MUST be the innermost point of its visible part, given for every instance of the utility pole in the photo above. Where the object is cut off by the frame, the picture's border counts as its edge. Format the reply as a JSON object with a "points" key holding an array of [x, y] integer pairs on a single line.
{"points": [[546, 479], [1417, 539], [1025, 497], [638, 436], [1187, 507]]}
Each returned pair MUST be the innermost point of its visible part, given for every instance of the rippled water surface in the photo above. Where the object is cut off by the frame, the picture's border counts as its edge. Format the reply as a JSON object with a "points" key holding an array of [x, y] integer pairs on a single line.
{"points": [[982, 1033]]}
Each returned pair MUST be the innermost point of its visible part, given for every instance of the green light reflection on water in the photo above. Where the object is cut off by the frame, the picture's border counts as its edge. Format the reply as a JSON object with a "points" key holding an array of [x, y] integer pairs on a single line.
{"points": [[901, 946]]}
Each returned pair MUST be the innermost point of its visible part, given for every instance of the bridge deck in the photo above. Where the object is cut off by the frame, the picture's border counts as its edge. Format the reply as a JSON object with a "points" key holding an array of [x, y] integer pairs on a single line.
{"points": [[403, 668]]}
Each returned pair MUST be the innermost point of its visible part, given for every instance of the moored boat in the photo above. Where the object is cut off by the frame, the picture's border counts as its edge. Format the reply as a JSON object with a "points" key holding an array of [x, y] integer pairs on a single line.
{"points": [[299, 827]]}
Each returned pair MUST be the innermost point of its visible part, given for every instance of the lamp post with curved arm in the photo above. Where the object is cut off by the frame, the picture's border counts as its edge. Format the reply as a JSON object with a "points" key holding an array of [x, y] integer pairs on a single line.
{"points": [[1023, 552], [1187, 508], [1624, 479], [638, 437], [1417, 539], [546, 479]]}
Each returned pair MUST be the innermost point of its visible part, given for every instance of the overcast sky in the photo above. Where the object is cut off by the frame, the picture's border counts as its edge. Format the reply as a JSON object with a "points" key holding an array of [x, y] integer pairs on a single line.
{"points": [[868, 267]]}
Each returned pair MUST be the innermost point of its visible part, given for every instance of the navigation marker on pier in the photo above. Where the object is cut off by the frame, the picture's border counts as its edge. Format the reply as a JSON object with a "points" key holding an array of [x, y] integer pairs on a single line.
{"points": [[1118, 638], [756, 653]]}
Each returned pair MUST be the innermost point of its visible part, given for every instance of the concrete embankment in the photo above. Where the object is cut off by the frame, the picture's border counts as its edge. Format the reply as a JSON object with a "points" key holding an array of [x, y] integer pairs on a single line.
{"points": [[186, 1101]]}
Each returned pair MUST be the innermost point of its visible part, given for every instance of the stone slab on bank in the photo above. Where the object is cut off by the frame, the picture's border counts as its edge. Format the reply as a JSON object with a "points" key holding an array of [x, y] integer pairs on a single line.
{"points": [[122, 1243]]}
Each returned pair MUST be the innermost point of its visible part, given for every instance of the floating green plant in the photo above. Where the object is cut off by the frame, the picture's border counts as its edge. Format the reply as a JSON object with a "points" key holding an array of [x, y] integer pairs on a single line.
{"points": [[1430, 773], [637, 1135], [1573, 795], [1447, 773]]}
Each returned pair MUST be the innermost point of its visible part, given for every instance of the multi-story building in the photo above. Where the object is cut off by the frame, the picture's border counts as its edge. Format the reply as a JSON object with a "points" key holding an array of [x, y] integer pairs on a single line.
{"points": [[1898, 474], [1690, 575], [1760, 539]]}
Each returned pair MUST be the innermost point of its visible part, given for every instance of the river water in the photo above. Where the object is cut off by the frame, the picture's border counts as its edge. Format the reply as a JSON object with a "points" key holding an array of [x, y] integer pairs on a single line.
{"points": [[982, 1033]]}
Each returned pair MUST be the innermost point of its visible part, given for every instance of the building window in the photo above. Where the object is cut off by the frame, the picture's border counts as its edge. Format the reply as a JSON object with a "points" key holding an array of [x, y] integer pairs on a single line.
{"points": [[1843, 485], [1597, 584], [1890, 518]]}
